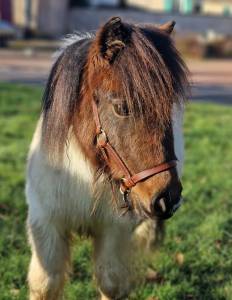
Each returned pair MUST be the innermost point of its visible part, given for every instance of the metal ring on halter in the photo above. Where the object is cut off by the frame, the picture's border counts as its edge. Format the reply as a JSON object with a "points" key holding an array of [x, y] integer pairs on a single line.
{"points": [[101, 138], [123, 189]]}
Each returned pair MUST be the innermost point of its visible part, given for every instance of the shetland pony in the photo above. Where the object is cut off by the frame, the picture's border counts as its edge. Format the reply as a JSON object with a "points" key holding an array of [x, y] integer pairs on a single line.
{"points": [[136, 80]]}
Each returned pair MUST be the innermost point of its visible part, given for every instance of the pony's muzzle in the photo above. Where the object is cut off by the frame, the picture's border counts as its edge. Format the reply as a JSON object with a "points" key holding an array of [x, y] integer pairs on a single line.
{"points": [[164, 206]]}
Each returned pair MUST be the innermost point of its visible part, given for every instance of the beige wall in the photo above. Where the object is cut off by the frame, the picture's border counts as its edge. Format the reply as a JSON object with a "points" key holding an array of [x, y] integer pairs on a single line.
{"points": [[18, 7], [208, 6], [19, 18], [148, 4], [216, 7]]}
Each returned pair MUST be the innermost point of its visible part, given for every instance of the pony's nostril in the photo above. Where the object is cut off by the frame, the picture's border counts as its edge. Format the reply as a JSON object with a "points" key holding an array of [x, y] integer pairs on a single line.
{"points": [[159, 206], [165, 205]]}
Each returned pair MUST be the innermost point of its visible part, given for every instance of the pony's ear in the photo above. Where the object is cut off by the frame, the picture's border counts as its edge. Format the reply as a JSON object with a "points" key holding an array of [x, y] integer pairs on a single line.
{"points": [[113, 38], [168, 27]]}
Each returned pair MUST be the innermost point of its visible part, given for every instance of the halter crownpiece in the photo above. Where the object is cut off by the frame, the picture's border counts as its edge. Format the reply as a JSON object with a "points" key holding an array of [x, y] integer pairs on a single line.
{"points": [[128, 180]]}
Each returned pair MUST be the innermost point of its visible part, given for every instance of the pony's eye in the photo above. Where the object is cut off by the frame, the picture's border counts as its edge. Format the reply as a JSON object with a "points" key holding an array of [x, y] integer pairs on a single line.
{"points": [[121, 109]]}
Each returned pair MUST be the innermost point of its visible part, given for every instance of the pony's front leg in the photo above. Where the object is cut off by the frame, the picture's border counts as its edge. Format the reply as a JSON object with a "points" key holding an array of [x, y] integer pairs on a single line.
{"points": [[113, 261], [50, 260]]}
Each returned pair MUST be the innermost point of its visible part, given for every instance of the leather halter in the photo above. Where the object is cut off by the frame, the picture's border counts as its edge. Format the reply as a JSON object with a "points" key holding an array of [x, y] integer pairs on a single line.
{"points": [[128, 180]]}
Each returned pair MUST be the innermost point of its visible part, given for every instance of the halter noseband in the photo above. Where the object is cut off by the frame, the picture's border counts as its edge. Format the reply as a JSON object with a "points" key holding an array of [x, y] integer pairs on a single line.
{"points": [[128, 180]]}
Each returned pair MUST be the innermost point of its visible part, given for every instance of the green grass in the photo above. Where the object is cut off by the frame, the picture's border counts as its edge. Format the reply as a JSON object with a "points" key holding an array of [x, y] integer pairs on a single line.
{"points": [[201, 231]]}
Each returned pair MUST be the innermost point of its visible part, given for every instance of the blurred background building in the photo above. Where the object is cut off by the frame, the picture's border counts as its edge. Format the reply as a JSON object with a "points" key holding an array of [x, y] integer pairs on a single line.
{"points": [[55, 17], [223, 7], [31, 30]]}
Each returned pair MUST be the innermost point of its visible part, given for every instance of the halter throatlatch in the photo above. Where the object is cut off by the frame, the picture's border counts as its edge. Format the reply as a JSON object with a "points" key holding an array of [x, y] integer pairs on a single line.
{"points": [[128, 181]]}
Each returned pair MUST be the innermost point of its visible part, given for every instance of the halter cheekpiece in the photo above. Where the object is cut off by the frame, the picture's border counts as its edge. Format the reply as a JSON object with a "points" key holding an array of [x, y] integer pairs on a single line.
{"points": [[128, 180]]}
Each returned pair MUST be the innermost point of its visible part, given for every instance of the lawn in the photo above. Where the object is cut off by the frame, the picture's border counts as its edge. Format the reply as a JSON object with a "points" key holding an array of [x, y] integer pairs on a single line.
{"points": [[195, 261]]}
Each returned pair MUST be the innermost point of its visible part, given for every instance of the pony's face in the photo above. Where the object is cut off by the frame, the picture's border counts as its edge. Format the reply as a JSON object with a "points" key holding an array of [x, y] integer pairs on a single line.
{"points": [[141, 147], [131, 80]]}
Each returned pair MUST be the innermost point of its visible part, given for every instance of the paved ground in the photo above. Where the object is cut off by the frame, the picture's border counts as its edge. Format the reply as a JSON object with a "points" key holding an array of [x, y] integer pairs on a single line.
{"points": [[211, 80]]}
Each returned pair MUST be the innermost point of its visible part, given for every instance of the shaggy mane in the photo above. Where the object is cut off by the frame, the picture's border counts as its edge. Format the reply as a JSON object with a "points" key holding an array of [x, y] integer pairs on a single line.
{"points": [[60, 97], [151, 72]]}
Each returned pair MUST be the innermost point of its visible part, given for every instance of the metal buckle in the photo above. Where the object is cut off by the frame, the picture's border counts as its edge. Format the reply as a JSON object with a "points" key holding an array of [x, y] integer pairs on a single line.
{"points": [[101, 138], [123, 189]]}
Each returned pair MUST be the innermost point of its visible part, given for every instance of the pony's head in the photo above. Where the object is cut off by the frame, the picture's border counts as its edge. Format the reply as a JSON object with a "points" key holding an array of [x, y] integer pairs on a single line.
{"points": [[134, 76]]}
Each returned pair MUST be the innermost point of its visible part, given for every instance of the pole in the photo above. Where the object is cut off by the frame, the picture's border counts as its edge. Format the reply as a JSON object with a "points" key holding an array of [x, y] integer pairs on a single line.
{"points": [[27, 30]]}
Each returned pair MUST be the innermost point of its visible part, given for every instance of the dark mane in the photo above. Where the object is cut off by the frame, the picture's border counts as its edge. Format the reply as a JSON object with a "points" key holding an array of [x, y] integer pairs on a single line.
{"points": [[61, 94], [150, 71]]}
